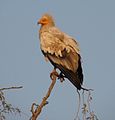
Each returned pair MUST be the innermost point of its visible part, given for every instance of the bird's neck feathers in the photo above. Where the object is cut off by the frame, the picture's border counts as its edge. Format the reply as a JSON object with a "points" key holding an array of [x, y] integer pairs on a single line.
{"points": [[50, 24]]}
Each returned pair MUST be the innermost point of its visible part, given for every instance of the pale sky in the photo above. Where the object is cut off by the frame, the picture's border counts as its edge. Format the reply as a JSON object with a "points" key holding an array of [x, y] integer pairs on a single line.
{"points": [[22, 63]]}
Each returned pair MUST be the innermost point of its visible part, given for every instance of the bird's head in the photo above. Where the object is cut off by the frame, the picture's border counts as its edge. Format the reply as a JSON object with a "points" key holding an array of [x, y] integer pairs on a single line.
{"points": [[46, 19]]}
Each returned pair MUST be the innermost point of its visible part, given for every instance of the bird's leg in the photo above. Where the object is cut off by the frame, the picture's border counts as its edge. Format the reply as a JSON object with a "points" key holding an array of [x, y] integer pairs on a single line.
{"points": [[54, 72], [61, 77]]}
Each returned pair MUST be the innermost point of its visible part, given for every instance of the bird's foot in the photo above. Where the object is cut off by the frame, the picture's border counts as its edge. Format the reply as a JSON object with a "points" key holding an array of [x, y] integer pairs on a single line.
{"points": [[61, 77], [54, 73]]}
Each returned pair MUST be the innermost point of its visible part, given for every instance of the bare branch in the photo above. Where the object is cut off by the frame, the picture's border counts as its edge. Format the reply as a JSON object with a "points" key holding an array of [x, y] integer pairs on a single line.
{"points": [[37, 111], [1, 89], [86, 89], [6, 107], [79, 102]]}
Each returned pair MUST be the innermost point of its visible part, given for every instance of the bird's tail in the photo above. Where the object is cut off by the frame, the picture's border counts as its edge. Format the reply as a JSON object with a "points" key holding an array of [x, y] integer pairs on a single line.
{"points": [[75, 78]]}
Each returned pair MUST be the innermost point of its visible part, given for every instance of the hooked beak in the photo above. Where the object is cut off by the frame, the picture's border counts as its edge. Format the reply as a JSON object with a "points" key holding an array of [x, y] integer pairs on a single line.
{"points": [[38, 22]]}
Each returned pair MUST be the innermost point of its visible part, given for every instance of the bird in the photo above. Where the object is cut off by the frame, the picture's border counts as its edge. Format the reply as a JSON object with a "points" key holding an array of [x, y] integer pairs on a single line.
{"points": [[61, 50]]}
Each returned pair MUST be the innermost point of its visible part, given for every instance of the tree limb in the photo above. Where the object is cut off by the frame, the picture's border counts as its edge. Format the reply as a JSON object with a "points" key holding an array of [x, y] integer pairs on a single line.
{"points": [[36, 112], [1, 89]]}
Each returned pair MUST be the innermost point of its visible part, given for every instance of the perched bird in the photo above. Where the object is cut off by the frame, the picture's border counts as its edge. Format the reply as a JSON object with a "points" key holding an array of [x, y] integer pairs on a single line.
{"points": [[61, 50]]}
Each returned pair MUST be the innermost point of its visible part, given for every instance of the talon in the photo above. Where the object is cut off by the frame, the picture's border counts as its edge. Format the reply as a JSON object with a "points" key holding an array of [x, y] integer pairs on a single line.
{"points": [[61, 77], [54, 72]]}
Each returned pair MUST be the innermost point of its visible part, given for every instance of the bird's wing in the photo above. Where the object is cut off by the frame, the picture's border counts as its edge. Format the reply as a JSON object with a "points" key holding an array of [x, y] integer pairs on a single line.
{"points": [[60, 49], [72, 43], [68, 40]]}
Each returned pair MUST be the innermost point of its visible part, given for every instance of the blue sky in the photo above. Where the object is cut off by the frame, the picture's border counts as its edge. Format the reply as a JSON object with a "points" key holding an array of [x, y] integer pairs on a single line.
{"points": [[22, 63]]}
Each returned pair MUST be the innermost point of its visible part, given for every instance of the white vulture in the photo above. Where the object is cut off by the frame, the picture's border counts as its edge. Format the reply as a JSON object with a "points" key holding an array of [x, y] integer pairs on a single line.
{"points": [[61, 50]]}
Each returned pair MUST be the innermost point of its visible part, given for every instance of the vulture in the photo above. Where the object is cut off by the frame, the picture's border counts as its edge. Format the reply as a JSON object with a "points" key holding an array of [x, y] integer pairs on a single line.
{"points": [[61, 50]]}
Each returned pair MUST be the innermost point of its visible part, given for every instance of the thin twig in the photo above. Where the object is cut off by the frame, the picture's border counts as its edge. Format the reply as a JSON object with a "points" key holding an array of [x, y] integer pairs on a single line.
{"points": [[86, 89], [1, 89], [89, 98], [79, 102], [84, 111]]}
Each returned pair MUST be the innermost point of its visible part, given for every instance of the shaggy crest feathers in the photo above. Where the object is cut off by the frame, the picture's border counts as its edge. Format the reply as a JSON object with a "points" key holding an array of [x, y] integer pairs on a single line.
{"points": [[49, 18]]}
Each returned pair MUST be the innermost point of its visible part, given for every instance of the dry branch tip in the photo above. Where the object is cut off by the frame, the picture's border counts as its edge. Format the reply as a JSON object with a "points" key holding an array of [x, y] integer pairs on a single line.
{"points": [[36, 111]]}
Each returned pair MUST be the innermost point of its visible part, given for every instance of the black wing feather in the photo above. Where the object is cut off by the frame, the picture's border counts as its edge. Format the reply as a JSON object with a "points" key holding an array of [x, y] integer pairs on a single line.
{"points": [[76, 78]]}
